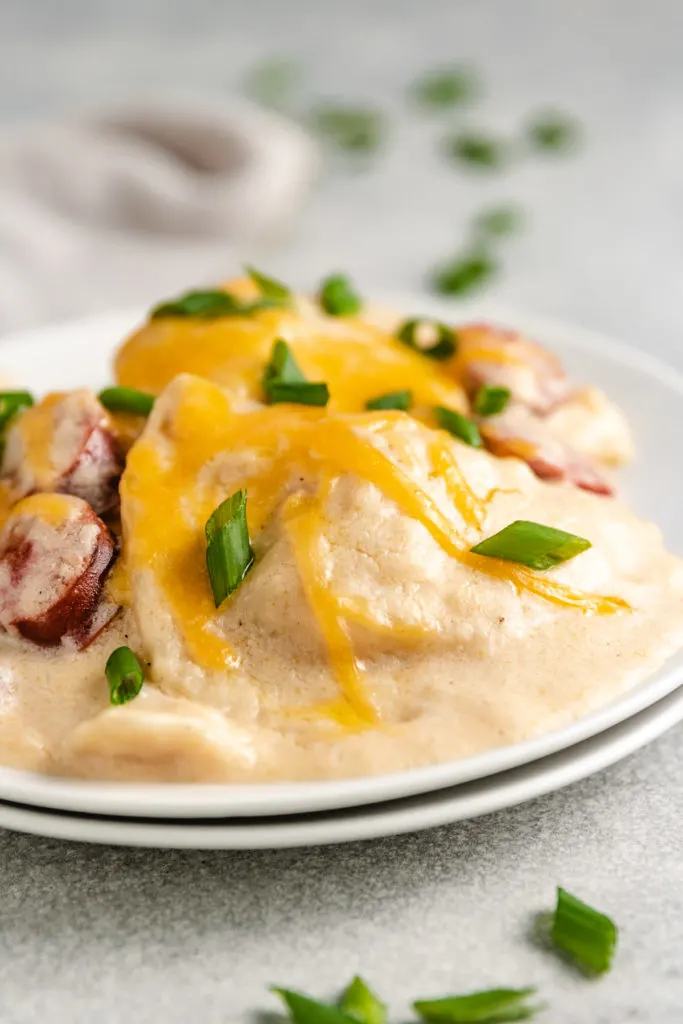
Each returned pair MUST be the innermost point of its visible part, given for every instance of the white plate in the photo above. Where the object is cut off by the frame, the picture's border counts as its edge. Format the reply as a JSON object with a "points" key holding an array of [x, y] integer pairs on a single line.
{"points": [[413, 814], [651, 393]]}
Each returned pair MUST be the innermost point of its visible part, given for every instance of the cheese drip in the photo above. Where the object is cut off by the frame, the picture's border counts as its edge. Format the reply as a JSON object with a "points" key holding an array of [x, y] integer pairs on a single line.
{"points": [[168, 496]]}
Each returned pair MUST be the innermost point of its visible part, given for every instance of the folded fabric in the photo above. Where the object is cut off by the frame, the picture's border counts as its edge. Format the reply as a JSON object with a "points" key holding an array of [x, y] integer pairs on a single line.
{"points": [[123, 206]]}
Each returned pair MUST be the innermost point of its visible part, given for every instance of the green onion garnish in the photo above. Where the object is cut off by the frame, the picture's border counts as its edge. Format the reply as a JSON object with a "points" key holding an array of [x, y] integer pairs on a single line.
{"points": [[284, 381], [274, 81], [352, 129], [305, 393], [458, 425], [269, 287], [361, 1003], [430, 337], [213, 303], [127, 400], [586, 936], [10, 404], [491, 400], [443, 88], [499, 221], [553, 132], [124, 674], [304, 1010], [495, 1006], [392, 400], [338, 296], [229, 555], [481, 151], [539, 547], [464, 273]]}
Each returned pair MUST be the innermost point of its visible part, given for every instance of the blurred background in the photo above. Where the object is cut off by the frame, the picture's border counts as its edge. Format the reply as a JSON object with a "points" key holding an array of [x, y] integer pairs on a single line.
{"points": [[526, 151]]}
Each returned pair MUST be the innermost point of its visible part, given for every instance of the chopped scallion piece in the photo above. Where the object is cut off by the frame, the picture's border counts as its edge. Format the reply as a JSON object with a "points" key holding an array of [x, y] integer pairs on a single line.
{"points": [[361, 1003], [284, 381], [458, 425], [124, 674], [269, 287], [431, 338], [127, 400], [229, 555], [444, 88], [483, 152], [531, 544], [464, 273], [304, 393], [499, 221], [553, 132], [586, 936], [10, 404], [213, 303], [338, 296], [392, 400], [304, 1010], [495, 1006], [352, 129], [274, 81], [490, 400]]}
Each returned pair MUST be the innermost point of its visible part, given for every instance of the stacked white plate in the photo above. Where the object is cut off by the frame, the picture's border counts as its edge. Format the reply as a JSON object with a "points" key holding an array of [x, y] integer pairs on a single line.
{"points": [[299, 814]]}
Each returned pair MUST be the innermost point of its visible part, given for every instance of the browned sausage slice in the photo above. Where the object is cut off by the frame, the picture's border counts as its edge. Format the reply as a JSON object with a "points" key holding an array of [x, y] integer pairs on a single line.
{"points": [[518, 432], [494, 356], [66, 443], [54, 557]]}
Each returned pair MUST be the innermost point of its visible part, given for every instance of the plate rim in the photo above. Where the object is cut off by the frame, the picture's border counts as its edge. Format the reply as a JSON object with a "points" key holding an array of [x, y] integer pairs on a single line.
{"points": [[255, 799]]}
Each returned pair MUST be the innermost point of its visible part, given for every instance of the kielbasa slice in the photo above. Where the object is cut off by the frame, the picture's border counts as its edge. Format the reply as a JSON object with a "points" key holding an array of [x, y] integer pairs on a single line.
{"points": [[55, 554], [65, 444], [518, 432], [503, 358]]}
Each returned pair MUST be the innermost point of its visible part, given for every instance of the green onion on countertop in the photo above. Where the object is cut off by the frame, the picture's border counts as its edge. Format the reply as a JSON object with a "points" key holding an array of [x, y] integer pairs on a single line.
{"points": [[493, 1006], [429, 337], [124, 674], [458, 425], [491, 400], [353, 129], [446, 87], [464, 273], [229, 555], [361, 1003], [532, 544], [553, 132], [401, 400], [338, 297], [588, 937], [284, 381], [120, 399], [304, 1010], [499, 221], [477, 150]]}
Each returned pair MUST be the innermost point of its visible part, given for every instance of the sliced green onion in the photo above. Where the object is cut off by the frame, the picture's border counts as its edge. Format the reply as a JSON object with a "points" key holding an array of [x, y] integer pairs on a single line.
{"points": [[392, 400], [586, 936], [494, 1006], [269, 287], [284, 381], [361, 1003], [127, 400], [351, 129], [441, 341], [458, 425], [444, 88], [229, 555], [124, 674], [499, 221], [10, 404], [464, 273], [553, 132], [304, 1010], [338, 297], [539, 547], [483, 152], [213, 303], [305, 393], [274, 81], [490, 400]]}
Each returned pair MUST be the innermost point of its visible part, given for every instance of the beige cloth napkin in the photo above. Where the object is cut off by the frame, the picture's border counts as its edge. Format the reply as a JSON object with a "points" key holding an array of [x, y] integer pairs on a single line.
{"points": [[129, 205]]}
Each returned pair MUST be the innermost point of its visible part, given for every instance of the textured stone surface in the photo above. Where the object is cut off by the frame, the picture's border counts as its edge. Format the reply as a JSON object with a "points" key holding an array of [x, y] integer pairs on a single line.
{"points": [[90, 933]]}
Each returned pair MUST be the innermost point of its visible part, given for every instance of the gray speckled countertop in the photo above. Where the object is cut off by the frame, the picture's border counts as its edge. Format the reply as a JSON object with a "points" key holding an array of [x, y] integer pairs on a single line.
{"points": [[114, 935]]}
